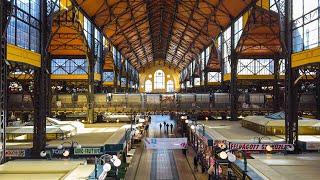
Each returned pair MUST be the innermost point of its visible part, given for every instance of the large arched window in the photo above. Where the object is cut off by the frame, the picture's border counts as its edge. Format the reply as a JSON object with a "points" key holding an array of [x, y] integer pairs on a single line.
{"points": [[159, 77], [170, 86], [148, 86]]}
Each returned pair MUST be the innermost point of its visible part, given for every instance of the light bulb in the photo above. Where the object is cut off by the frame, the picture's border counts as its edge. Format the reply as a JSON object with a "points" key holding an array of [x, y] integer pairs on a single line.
{"points": [[231, 157], [269, 148], [79, 146], [114, 157], [223, 155], [193, 127], [43, 154], [106, 167], [186, 120], [60, 146], [66, 153], [117, 162], [222, 145]]}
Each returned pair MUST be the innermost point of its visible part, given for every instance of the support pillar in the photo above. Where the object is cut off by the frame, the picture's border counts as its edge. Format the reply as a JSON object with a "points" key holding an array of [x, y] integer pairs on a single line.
{"points": [[206, 80], [127, 83], [4, 13], [318, 93], [276, 101], [291, 101], [41, 88], [90, 95], [115, 81], [91, 64], [233, 82]]}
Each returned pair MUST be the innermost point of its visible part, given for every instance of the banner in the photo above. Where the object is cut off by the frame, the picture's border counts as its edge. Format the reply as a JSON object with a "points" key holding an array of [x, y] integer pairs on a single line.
{"points": [[166, 143], [260, 147]]}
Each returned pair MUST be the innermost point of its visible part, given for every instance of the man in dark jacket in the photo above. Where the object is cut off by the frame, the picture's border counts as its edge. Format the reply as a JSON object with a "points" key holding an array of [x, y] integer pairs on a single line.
{"points": [[195, 163], [171, 127]]}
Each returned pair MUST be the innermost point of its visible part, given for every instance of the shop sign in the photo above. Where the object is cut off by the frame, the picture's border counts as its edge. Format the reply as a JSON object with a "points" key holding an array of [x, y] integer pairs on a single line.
{"points": [[312, 146], [166, 143], [260, 147], [58, 151], [15, 153], [87, 151]]}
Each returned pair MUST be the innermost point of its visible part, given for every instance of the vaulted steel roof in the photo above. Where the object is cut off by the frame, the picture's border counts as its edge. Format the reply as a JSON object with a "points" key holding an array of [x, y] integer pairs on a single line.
{"points": [[171, 30]]}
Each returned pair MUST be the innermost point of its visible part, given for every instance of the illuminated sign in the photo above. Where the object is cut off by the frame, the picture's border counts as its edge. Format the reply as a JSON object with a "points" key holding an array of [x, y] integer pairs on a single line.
{"points": [[87, 151], [260, 147]]}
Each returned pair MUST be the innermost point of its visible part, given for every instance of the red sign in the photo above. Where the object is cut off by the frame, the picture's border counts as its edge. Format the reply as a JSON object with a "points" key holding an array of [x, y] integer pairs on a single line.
{"points": [[15, 153], [260, 147]]}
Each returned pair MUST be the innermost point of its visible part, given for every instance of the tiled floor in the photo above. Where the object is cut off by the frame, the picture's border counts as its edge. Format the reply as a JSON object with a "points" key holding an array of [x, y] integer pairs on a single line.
{"points": [[164, 164]]}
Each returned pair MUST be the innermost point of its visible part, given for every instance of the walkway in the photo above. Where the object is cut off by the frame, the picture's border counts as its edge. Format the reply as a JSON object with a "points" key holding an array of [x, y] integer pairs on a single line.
{"points": [[163, 164]]}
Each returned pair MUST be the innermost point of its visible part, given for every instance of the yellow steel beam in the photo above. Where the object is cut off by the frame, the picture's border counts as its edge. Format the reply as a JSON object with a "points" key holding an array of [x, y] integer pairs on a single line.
{"points": [[306, 57], [97, 77], [227, 77], [214, 83], [107, 84], [18, 54]]}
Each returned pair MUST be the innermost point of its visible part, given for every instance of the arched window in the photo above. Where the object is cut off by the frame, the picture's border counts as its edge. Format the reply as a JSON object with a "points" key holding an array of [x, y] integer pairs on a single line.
{"points": [[170, 86], [159, 79], [148, 86]]}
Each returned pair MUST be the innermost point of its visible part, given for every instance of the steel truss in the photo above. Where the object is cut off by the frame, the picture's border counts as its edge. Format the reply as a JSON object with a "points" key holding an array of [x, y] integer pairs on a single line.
{"points": [[291, 99], [5, 13], [42, 87]]}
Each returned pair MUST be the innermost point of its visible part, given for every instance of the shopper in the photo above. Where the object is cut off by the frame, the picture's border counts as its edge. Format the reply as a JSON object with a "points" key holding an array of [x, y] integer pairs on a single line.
{"points": [[167, 128], [160, 126], [171, 127], [195, 163]]}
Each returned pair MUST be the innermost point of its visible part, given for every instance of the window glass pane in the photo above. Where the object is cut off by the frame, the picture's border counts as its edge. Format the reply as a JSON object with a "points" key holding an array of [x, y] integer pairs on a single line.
{"points": [[148, 86], [170, 86], [22, 34], [34, 39], [11, 30], [311, 35], [159, 79], [297, 9], [297, 39], [309, 5]]}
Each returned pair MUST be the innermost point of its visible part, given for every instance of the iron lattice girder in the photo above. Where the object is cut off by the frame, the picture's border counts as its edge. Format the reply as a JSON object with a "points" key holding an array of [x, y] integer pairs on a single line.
{"points": [[67, 34], [117, 16], [5, 14], [261, 34]]}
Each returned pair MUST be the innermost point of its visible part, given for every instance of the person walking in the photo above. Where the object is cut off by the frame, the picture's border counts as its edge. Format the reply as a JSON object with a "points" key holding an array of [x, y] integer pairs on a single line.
{"points": [[167, 128], [160, 126], [171, 127], [195, 163]]}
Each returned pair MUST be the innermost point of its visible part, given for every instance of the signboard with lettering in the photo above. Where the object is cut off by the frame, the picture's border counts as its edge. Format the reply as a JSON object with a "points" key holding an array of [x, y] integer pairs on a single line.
{"points": [[58, 151], [87, 151], [260, 147], [166, 143], [15, 153], [313, 146]]}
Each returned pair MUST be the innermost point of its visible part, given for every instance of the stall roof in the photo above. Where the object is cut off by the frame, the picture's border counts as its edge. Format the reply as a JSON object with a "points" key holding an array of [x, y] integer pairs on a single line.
{"points": [[261, 35]]}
